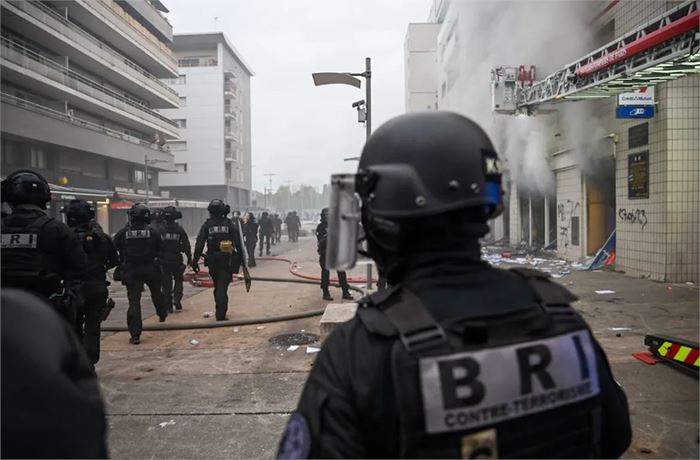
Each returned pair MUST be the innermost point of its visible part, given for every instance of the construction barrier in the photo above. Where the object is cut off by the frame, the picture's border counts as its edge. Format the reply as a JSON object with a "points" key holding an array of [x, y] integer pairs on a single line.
{"points": [[674, 350]]}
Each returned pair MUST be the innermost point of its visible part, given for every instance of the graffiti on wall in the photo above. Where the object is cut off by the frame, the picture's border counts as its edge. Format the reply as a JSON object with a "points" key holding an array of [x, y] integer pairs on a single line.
{"points": [[633, 216], [568, 216]]}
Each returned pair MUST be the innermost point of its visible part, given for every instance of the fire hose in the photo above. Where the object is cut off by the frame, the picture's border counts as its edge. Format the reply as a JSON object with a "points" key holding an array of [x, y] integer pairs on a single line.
{"points": [[237, 322]]}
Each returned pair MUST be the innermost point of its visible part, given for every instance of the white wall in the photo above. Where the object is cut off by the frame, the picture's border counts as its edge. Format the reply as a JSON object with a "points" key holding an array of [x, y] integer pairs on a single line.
{"points": [[205, 128], [420, 66]]}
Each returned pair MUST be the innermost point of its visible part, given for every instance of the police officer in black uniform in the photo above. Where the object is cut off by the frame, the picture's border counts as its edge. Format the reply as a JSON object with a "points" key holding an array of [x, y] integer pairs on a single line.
{"points": [[457, 359], [175, 243], [250, 233], [224, 252], [39, 253], [322, 243], [266, 231], [102, 256], [139, 245]]}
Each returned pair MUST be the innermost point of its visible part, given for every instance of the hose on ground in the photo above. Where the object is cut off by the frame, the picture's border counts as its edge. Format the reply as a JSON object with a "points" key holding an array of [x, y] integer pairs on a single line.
{"points": [[237, 322]]}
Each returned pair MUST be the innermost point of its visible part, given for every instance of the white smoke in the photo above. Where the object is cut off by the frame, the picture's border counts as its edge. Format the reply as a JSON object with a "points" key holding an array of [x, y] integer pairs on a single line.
{"points": [[547, 34]]}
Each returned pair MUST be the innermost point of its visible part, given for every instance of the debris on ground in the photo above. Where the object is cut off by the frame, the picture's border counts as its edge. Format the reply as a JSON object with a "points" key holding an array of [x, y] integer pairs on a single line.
{"points": [[236, 329], [619, 328], [164, 424], [260, 328], [294, 338], [311, 350], [194, 342], [206, 314], [604, 291], [293, 348]]}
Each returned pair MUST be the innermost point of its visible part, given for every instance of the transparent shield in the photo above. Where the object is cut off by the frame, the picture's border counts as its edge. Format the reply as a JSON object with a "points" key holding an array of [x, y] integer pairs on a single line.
{"points": [[343, 223]]}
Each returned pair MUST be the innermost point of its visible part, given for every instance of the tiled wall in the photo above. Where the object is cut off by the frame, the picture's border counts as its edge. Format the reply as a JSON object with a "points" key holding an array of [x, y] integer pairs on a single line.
{"points": [[682, 111], [515, 228], [569, 206]]}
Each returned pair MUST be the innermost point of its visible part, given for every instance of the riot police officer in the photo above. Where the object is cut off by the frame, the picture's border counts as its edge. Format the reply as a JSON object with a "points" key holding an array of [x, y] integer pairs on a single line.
{"points": [[250, 234], [457, 359], [101, 256], [139, 245], [175, 243], [39, 253], [224, 252], [322, 242], [266, 231]]}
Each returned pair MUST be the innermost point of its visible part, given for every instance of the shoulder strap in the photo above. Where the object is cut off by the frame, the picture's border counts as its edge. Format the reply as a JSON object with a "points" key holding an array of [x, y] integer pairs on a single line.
{"points": [[400, 312], [548, 293]]}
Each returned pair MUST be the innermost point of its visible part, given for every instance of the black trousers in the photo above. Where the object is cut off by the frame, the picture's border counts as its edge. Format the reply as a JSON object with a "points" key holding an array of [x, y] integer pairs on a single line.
{"points": [[222, 280], [89, 317], [134, 285], [265, 240], [250, 248], [171, 280], [290, 233], [326, 276]]}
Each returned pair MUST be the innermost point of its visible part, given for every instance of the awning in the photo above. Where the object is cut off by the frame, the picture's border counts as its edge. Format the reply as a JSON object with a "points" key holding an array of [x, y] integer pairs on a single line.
{"points": [[60, 192]]}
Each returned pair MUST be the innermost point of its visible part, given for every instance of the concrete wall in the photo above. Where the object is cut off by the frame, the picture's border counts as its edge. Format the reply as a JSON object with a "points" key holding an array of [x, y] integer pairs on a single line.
{"points": [[420, 66]]}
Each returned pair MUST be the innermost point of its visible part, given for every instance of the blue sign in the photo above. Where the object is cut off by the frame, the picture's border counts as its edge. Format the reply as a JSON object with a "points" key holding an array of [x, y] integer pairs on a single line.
{"points": [[636, 111]]}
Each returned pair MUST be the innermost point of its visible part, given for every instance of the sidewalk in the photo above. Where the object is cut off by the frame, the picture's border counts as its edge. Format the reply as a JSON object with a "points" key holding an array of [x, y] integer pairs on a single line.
{"points": [[227, 396]]}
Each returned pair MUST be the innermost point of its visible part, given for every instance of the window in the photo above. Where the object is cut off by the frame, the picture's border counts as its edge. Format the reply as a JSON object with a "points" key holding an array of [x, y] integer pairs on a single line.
{"points": [[177, 146], [228, 171], [228, 124], [38, 157], [183, 101], [181, 80], [181, 167], [180, 122], [139, 176]]}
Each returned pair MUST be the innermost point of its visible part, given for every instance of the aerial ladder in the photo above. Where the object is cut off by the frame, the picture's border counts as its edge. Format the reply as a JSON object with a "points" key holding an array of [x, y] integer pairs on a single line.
{"points": [[664, 49]]}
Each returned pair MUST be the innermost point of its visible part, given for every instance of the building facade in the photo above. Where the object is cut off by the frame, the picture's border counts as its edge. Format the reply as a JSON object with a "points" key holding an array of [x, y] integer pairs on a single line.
{"points": [[581, 180], [213, 154], [420, 66], [81, 85]]}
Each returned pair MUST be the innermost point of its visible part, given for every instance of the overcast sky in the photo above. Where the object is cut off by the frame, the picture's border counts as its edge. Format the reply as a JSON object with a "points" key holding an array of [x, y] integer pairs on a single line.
{"points": [[301, 132]]}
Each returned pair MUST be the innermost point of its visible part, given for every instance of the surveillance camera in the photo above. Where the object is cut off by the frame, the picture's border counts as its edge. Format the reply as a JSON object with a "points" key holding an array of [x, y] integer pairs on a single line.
{"points": [[359, 103]]}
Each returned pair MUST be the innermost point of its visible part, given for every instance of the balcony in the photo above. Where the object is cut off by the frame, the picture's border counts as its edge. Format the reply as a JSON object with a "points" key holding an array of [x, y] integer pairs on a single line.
{"points": [[45, 76], [197, 62], [35, 121], [231, 156], [125, 33], [230, 90], [36, 20], [230, 134]]}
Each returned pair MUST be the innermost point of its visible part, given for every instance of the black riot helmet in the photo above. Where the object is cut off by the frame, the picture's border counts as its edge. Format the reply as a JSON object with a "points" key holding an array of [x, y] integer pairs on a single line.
{"points": [[324, 215], [217, 208], [170, 214], [140, 214], [25, 186], [78, 212], [425, 181]]}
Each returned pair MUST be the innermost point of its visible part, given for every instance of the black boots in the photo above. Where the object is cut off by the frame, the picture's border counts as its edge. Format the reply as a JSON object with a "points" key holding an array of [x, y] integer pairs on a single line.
{"points": [[327, 295], [347, 295], [135, 340]]}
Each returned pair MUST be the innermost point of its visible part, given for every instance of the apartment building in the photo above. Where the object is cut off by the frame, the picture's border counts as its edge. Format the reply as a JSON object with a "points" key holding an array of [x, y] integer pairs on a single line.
{"points": [[626, 189], [213, 154], [81, 85]]}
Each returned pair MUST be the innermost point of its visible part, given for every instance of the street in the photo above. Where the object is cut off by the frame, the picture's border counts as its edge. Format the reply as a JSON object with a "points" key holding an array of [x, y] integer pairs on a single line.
{"points": [[227, 392]]}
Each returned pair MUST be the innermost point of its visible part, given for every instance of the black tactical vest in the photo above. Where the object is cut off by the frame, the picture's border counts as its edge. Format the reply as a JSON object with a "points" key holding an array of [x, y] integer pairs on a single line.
{"points": [[25, 255], [93, 244], [217, 231], [521, 385], [171, 246], [138, 245]]}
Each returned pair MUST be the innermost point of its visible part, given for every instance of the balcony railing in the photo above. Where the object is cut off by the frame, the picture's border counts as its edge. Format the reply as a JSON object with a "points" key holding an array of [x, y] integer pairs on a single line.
{"points": [[49, 112], [68, 29], [134, 25], [197, 62], [20, 55]]}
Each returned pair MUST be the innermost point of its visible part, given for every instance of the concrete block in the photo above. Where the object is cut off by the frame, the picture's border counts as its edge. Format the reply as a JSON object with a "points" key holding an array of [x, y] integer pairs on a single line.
{"points": [[336, 313]]}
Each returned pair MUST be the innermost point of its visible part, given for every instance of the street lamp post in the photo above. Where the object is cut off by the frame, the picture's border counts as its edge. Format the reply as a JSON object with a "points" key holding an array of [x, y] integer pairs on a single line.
{"points": [[348, 78]]}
